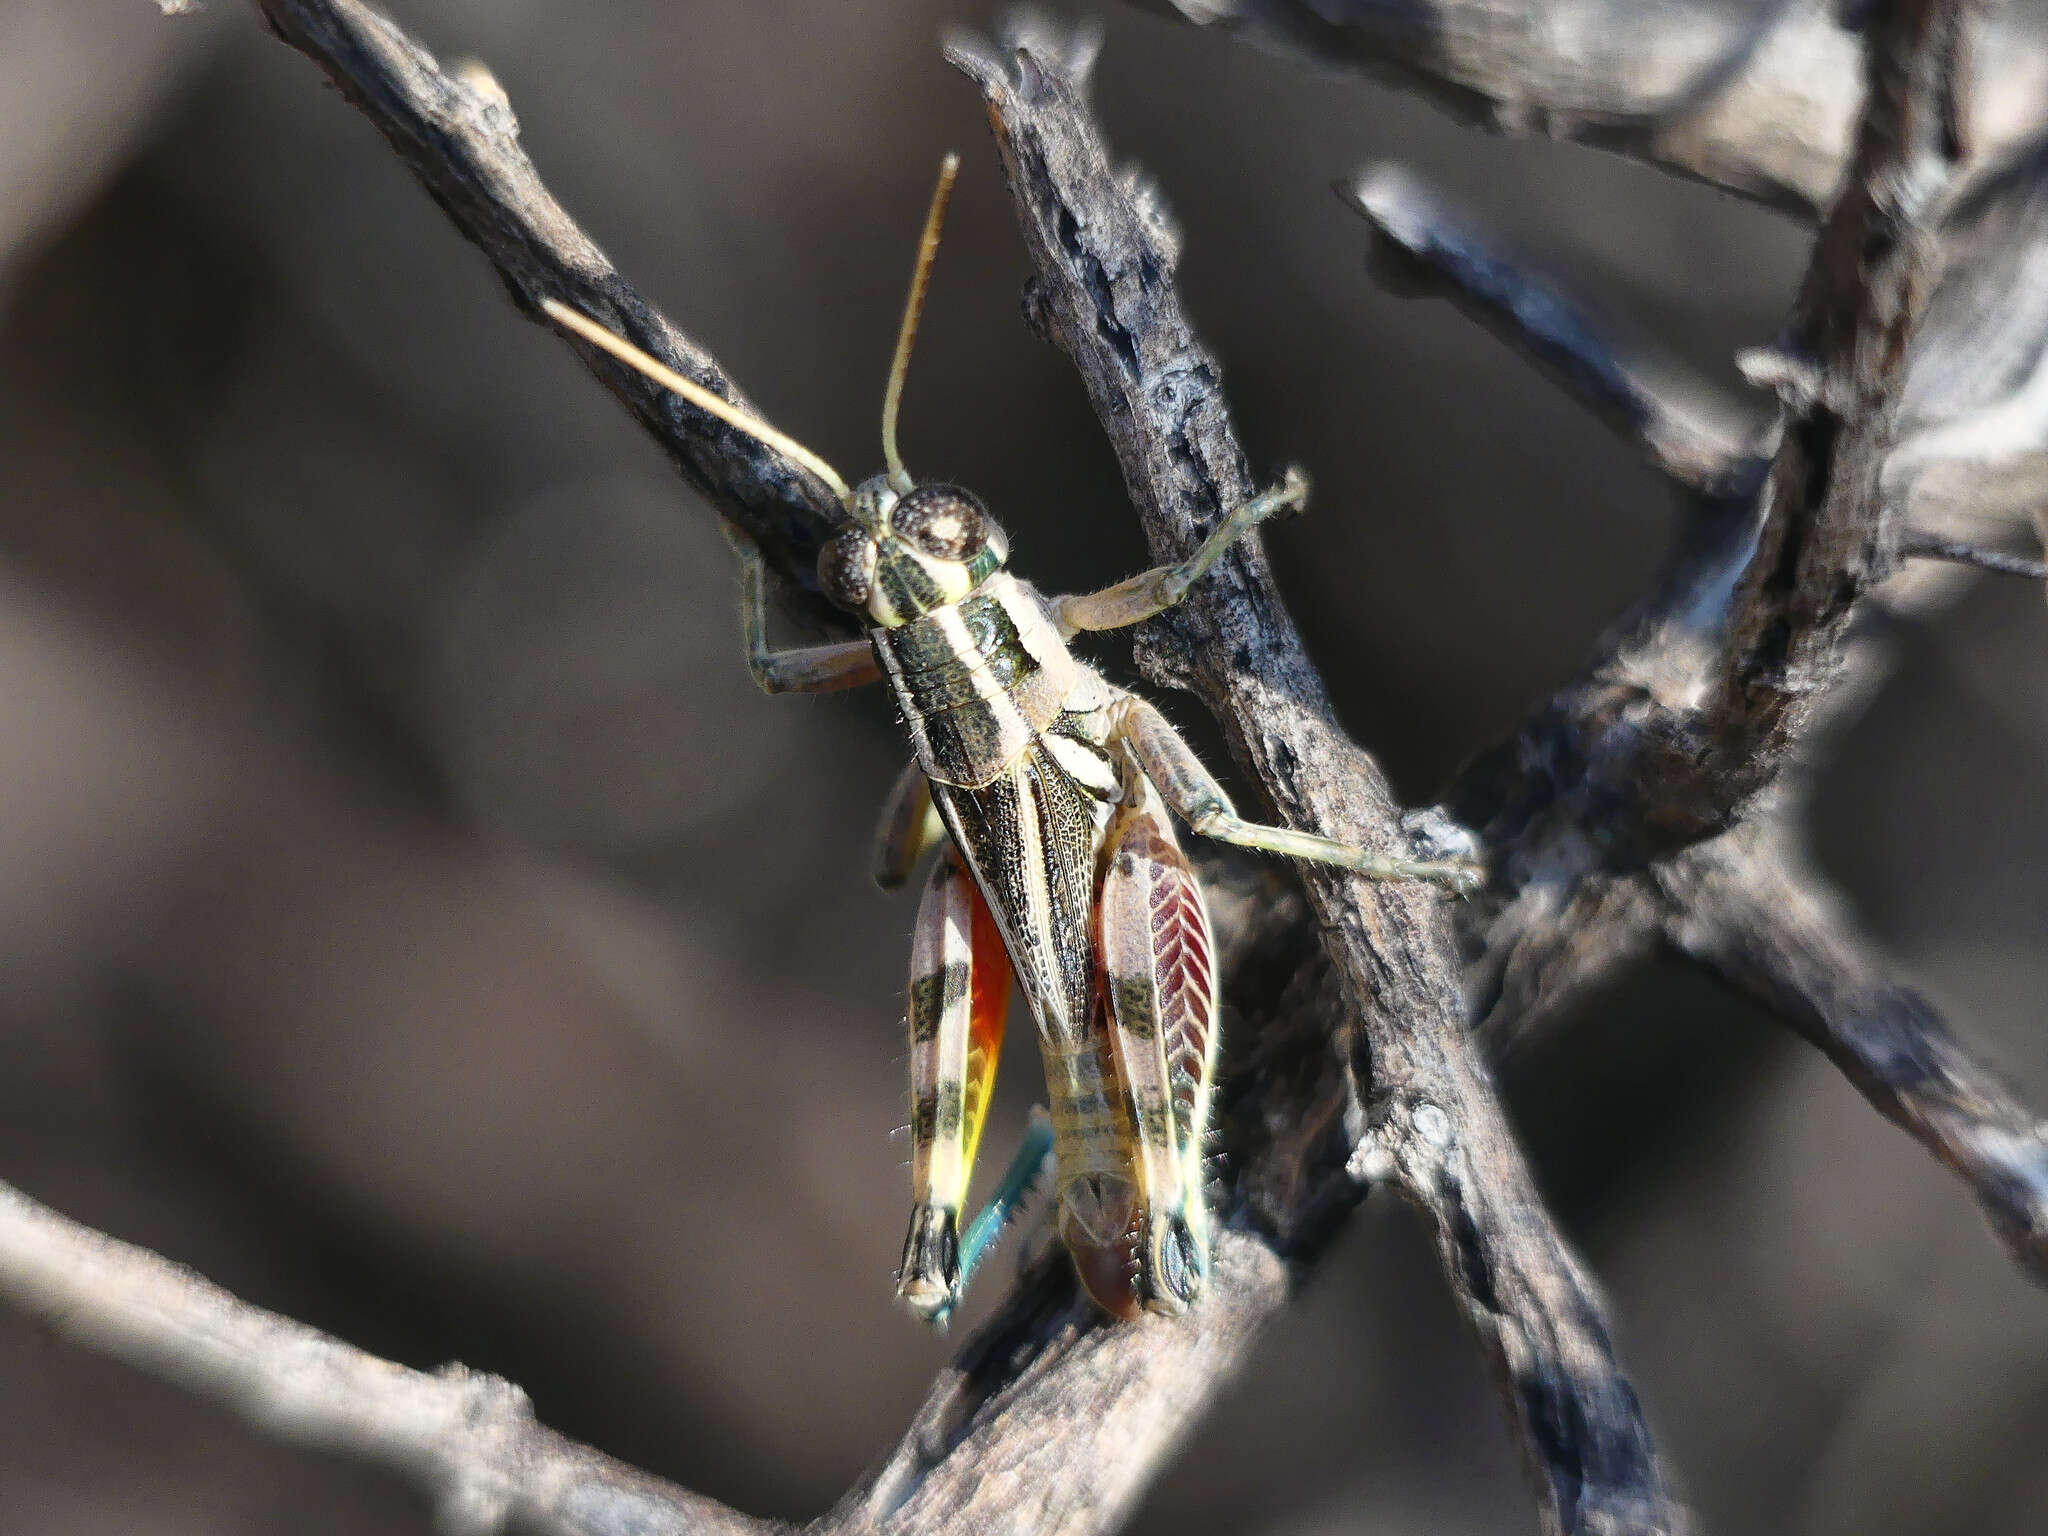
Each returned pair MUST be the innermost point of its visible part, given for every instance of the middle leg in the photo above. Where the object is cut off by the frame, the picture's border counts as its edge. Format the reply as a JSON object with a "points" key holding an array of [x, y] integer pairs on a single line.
{"points": [[909, 828], [1199, 800], [807, 669]]}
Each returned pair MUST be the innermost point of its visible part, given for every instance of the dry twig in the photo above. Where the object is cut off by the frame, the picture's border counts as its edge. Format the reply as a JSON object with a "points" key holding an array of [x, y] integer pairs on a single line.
{"points": [[469, 1440], [1761, 98]]}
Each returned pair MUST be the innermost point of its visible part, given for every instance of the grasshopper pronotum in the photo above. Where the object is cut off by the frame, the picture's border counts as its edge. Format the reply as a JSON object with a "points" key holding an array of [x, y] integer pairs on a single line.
{"points": [[1049, 788]]}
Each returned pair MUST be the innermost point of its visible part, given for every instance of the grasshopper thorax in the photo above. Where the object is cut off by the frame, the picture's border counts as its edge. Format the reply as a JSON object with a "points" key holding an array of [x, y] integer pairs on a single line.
{"points": [[902, 556]]}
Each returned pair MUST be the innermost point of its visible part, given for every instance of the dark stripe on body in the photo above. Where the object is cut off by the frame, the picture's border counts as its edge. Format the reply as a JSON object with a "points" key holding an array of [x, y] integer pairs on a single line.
{"points": [[1032, 839], [907, 587], [977, 680], [931, 996]]}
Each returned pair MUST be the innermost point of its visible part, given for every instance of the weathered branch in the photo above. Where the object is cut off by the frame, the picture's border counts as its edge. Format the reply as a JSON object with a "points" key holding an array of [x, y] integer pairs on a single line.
{"points": [[1760, 98], [1633, 806], [1036, 1387], [1054, 1419], [1748, 911], [469, 1440], [1826, 536], [1105, 292], [1922, 546], [456, 132], [1430, 247], [1692, 705]]}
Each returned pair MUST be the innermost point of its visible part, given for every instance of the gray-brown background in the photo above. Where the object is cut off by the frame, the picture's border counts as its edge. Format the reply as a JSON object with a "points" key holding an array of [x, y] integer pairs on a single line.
{"points": [[411, 916]]}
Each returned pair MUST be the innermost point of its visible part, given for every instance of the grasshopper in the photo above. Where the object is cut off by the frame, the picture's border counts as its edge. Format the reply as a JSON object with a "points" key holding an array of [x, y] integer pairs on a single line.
{"points": [[1048, 790]]}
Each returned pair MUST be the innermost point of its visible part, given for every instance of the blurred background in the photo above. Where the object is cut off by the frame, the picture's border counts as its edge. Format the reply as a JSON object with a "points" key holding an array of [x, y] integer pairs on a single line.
{"points": [[413, 918]]}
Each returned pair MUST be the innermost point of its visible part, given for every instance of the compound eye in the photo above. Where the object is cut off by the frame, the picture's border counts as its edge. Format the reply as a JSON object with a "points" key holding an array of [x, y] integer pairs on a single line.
{"points": [[941, 521], [846, 569]]}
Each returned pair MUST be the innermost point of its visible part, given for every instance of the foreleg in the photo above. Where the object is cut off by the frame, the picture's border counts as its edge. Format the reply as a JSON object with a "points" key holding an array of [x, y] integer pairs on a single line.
{"points": [[910, 826], [806, 669]]}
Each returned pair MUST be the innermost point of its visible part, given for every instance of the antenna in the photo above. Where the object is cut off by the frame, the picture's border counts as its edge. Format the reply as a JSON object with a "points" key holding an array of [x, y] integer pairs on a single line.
{"points": [[696, 394], [920, 279]]}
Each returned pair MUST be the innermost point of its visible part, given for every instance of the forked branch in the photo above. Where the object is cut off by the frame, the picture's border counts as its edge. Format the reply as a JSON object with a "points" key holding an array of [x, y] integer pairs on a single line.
{"points": [[1697, 704], [470, 1441], [456, 131]]}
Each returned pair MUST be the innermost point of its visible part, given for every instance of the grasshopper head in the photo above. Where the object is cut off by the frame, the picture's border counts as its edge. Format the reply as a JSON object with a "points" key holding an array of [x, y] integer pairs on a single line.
{"points": [[902, 556]]}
